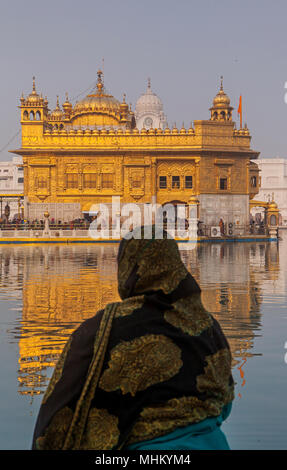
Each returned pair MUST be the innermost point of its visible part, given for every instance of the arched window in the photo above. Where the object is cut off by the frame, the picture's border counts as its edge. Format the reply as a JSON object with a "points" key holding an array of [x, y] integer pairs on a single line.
{"points": [[273, 220], [32, 116], [215, 115], [222, 114], [38, 116], [253, 181], [61, 126], [25, 115], [55, 126]]}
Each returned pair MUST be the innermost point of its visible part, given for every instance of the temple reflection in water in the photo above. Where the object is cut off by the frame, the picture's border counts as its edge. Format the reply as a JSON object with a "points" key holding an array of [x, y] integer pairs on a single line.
{"points": [[233, 290], [61, 286]]}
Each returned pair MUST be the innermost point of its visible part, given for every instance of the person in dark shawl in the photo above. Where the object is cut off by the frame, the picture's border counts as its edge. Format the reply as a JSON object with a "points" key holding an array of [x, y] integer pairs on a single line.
{"points": [[150, 372]]}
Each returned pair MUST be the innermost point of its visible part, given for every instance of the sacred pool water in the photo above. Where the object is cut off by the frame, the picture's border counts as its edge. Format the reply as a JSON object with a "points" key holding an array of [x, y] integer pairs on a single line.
{"points": [[47, 290]]}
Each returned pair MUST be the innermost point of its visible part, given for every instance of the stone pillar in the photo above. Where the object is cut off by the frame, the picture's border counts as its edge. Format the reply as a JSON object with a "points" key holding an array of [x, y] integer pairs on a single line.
{"points": [[193, 216], [272, 219]]}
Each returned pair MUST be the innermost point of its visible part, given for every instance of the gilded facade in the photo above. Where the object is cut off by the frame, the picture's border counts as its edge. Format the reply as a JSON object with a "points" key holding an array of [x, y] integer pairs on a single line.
{"points": [[77, 156]]}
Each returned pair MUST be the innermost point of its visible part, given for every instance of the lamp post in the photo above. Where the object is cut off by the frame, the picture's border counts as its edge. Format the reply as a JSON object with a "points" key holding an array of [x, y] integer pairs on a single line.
{"points": [[22, 211], [46, 232]]}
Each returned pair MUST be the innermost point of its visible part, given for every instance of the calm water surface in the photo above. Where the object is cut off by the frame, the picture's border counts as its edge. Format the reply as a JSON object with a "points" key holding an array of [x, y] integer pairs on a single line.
{"points": [[47, 290]]}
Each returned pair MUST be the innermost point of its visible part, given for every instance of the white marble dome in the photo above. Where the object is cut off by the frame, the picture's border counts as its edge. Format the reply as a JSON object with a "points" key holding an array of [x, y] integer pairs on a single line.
{"points": [[149, 110]]}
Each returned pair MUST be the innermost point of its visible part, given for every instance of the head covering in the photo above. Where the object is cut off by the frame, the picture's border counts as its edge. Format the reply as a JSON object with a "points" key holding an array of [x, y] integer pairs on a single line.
{"points": [[142, 367], [150, 264]]}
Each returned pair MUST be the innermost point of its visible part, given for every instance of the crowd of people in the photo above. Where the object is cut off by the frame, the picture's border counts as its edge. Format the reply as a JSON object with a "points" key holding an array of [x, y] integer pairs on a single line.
{"points": [[39, 224], [84, 224]]}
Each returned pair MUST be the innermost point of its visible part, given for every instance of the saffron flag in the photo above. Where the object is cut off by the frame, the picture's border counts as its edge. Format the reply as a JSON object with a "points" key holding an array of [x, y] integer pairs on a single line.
{"points": [[239, 111]]}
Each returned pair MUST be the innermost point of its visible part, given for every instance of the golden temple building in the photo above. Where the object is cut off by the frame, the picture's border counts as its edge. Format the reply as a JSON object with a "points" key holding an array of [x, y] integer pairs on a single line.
{"points": [[77, 156]]}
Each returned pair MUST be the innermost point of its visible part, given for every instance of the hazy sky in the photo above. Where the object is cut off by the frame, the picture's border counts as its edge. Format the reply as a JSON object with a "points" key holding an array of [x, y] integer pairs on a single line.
{"points": [[184, 46]]}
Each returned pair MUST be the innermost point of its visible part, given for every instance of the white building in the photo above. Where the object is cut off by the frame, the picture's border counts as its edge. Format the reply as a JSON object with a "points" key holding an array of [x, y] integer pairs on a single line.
{"points": [[11, 184], [149, 111], [273, 173]]}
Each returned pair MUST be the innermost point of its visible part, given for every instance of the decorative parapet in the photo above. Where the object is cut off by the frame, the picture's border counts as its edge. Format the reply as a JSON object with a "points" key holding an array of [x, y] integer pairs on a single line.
{"points": [[125, 138]]}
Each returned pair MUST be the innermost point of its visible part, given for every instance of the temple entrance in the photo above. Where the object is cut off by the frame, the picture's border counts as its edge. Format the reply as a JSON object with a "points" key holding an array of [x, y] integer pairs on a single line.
{"points": [[173, 214], [178, 207]]}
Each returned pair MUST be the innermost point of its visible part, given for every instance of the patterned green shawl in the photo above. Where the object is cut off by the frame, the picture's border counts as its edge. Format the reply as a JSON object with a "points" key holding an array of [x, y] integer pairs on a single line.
{"points": [[142, 367]]}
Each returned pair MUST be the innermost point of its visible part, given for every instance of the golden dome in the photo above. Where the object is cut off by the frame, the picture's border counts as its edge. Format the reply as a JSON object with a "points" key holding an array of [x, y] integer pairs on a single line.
{"points": [[273, 205], [67, 107], [94, 103], [221, 109], [97, 101], [33, 97], [221, 99], [57, 113], [99, 108], [67, 103]]}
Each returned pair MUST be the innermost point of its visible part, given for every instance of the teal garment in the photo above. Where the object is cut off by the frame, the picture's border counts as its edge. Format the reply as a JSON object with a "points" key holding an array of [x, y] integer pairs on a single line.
{"points": [[205, 435]]}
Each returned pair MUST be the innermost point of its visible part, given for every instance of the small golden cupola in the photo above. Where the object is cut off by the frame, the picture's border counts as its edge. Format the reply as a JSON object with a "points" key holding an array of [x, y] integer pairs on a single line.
{"points": [[124, 110], [57, 113], [34, 107], [67, 107], [221, 109], [33, 97]]}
